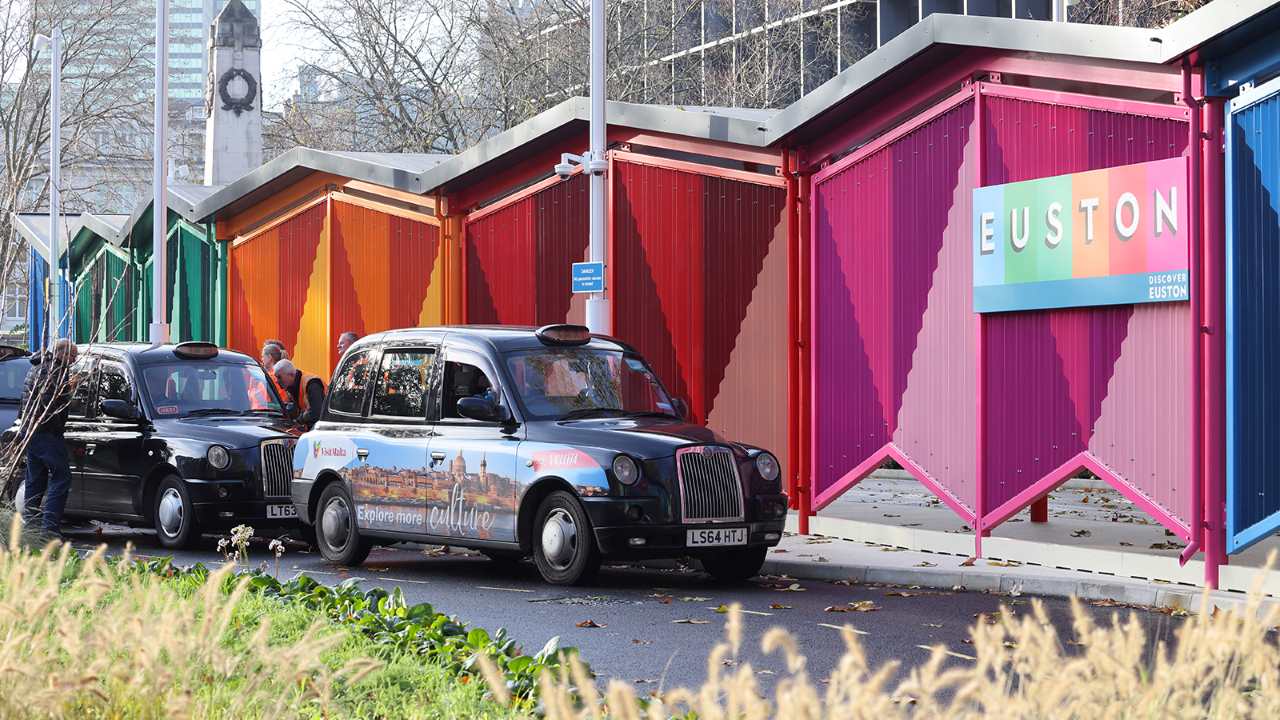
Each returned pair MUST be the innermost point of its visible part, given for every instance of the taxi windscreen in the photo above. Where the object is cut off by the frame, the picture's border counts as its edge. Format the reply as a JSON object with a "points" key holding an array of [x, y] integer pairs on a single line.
{"points": [[580, 382], [194, 389]]}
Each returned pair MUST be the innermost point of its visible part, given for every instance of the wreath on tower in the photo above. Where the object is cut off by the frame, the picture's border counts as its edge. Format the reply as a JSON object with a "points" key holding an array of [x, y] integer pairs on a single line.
{"points": [[245, 101]]}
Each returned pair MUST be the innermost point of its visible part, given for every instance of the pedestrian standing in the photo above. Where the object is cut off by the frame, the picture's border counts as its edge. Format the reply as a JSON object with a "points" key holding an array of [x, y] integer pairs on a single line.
{"points": [[304, 389], [346, 340], [46, 398]]}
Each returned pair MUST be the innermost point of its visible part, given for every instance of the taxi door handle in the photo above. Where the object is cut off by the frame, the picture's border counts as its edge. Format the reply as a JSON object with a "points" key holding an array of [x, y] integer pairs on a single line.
{"points": [[362, 453], [90, 447]]}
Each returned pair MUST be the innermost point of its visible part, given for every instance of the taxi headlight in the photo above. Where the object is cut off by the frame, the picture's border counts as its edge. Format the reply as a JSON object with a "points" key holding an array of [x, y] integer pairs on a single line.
{"points": [[767, 466], [218, 457], [626, 470]]}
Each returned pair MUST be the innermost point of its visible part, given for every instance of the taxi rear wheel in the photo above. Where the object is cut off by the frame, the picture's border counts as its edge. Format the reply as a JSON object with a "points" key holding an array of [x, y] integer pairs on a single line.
{"points": [[174, 516], [734, 565], [564, 547], [336, 533]]}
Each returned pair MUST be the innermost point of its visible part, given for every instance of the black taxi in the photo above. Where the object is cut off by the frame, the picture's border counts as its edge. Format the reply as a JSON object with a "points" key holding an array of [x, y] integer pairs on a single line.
{"points": [[187, 438], [548, 442]]}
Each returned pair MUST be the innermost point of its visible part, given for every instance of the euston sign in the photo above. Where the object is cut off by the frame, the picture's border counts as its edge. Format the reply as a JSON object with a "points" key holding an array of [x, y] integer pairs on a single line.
{"points": [[1105, 237]]}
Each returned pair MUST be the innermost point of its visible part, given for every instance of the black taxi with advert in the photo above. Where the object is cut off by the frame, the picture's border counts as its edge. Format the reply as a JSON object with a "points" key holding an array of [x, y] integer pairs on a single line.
{"points": [[186, 438], [551, 442]]}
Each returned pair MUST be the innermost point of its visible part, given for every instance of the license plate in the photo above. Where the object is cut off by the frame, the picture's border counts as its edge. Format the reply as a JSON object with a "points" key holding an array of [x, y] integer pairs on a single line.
{"points": [[717, 537], [282, 511]]}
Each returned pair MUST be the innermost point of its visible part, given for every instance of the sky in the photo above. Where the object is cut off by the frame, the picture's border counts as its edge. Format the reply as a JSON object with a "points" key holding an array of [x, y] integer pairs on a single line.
{"points": [[280, 54]]}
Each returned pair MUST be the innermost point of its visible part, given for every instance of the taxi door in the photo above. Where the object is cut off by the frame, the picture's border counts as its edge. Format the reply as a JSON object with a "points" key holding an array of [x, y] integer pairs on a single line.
{"points": [[389, 481], [79, 426], [473, 463], [113, 460]]}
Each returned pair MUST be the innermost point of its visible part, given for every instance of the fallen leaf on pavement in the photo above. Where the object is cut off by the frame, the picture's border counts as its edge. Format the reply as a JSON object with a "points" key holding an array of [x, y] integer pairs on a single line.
{"points": [[664, 599], [1004, 563], [1165, 546], [590, 624], [821, 559], [690, 621], [722, 609], [891, 549], [969, 562], [901, 593], [764, 672], [932, 625], [780, 550], [779, 606], [926, 563], [793, 587], [693, 598], [638, 641], [1080, 533], [816, 541], [856, 606]]}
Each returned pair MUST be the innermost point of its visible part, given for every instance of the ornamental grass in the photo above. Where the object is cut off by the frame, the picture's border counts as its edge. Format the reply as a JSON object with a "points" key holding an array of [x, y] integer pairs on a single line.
{"points": [[1222, 664]]}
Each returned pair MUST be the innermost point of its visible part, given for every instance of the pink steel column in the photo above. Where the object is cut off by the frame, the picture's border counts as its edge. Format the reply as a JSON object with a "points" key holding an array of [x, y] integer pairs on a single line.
{"points": [[1214, 342], [979, 324], [794, 330], [1190, 88]]}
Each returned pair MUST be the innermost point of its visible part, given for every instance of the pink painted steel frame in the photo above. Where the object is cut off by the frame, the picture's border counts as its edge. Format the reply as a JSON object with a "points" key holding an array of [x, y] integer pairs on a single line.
{"points": [[980, 328], [699, 169], [1088, 102], [866, 467]]}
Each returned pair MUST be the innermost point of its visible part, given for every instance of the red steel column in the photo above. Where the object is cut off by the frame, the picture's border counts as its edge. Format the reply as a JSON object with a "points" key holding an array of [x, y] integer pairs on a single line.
{"points": [[1040, 510], [1213, 340], [794, 387], [804, 199]]}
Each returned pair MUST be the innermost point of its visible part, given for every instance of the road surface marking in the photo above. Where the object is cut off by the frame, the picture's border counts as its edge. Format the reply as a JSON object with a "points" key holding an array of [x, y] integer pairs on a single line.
{"points": [[842, 627], [504, 589], [952, 653]]}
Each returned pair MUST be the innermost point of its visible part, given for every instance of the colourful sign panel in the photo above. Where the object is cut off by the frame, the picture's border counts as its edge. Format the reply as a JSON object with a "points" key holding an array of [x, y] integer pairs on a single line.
{"points": [[1106, 237]]}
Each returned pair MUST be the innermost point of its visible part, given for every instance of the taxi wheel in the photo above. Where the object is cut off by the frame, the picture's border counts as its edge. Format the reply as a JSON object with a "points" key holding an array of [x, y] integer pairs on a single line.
{"points": [[734, 565], [174, 515], [564, 547], [336, 533]]}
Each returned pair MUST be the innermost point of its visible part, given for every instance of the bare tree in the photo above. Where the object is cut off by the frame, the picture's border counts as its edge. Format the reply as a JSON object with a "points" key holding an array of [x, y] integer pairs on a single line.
{"points": [[1133, 13], [105, 129]]}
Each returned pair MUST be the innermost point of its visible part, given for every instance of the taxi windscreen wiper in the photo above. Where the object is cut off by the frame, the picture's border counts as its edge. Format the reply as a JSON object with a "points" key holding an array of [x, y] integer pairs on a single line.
{"points": [[591, 412], [652, 413], [257, 411], [211, 411]]}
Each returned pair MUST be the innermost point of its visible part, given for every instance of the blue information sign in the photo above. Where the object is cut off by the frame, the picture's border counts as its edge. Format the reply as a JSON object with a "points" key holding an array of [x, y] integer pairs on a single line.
{"points": [[588, 277]]}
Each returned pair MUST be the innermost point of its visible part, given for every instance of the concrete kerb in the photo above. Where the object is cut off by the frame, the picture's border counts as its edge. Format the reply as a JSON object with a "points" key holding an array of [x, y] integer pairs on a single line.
{"points": [[1153, 595]]}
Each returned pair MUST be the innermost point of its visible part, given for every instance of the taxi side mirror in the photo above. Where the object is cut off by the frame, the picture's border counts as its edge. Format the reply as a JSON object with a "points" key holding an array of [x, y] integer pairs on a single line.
{"points": [[681, 408], [481, 409], [120, 409]]}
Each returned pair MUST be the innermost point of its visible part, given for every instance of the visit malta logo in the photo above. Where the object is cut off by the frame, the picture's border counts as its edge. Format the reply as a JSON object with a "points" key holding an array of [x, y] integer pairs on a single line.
{"points": [[315, 449], [318, 450]]}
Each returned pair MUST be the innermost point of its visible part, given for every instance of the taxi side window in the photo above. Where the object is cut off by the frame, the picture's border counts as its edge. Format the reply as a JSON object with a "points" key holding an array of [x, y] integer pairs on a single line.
{"points": [[346, 395], [464, 380], [85, 370], [403, 384], [113, 384]]}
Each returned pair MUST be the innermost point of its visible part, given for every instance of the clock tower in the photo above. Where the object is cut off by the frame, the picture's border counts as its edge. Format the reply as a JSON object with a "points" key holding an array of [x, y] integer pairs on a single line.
{"points": [[233, 96]]}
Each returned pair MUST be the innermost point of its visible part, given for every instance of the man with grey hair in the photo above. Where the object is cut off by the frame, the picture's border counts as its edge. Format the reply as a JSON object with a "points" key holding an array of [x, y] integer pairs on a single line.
{"points": [[346, 340], [46, 398], [305, 390]]}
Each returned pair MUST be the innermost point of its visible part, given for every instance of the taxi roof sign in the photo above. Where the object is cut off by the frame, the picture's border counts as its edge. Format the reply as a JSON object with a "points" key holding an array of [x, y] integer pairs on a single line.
{"points": [[196, 350], [563, 335]]}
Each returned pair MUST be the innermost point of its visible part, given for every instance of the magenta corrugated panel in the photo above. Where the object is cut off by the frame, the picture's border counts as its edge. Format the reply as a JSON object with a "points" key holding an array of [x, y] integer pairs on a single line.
{"points": [[893, 353], [1114, 380]]}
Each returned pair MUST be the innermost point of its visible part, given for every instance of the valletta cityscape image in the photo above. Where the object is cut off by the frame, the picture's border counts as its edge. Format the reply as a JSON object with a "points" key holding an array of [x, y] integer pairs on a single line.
{"points": [[409, 497]]}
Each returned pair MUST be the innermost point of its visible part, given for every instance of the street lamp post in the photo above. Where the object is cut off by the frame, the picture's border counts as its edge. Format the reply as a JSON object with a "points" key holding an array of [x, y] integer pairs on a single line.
{"points": [[159, 204], [54, 42]]}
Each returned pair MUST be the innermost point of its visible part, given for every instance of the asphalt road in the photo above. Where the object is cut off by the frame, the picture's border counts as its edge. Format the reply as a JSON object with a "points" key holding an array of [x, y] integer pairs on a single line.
{"points": [[657, 625]]}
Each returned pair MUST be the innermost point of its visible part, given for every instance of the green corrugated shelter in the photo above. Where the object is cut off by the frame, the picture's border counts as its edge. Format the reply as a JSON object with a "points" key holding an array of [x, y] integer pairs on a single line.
{"points": [[111, 274]]}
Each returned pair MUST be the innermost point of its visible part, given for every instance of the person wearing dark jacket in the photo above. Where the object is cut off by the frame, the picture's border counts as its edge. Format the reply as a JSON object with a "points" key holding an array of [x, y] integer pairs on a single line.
{"points": [[305, 390], [46, 398]]}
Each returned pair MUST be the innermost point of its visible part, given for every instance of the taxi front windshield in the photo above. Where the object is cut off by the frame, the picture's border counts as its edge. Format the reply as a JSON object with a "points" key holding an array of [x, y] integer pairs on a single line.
{"points": [[194, 389], [581, 382]]}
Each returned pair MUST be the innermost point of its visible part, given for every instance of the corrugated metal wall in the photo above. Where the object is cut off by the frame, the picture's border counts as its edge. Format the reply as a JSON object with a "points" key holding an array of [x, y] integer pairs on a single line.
{"points": [[1253, 333], [106, 300], [1111, 380], [517, 257], [893, 326], [198, 295], [271, 278], [700, 288], [385, 272]]}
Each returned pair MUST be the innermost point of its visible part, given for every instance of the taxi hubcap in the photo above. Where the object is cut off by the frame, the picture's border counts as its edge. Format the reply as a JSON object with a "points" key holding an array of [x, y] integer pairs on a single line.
{"points": [[336, 523], [559, 538], [170, 511]]}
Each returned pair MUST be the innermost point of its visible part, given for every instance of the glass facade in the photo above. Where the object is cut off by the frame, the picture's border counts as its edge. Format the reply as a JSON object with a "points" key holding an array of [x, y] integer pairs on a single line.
{"points": [[189, 22]]}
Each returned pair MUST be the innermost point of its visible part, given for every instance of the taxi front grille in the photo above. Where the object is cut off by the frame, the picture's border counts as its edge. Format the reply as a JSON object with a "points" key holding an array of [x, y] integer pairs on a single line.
{"points": [[710, 490], [276, 468]]}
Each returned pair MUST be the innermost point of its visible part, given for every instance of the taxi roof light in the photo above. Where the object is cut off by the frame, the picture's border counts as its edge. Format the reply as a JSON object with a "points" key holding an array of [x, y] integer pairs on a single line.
{"points": [[564, 335], [196, 350]]}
